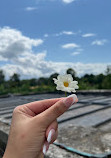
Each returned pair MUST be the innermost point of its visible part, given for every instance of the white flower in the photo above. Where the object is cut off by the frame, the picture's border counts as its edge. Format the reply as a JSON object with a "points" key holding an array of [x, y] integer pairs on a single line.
{"points": [[66, 83]]}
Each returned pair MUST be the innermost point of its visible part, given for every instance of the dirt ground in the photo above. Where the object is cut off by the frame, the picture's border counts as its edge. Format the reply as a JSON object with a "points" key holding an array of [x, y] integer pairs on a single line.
{"points": [[90, 140]]}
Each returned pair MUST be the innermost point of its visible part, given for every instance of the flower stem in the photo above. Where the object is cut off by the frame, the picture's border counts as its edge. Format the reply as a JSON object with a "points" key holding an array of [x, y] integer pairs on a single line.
{"points": [[65, 94]]}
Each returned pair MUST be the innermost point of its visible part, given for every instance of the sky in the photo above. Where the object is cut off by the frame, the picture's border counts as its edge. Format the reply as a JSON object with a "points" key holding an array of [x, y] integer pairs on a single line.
{"points": [[41, 37]]}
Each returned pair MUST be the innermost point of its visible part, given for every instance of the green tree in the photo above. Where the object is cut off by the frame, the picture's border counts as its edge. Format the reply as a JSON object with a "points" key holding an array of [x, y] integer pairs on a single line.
{"points": [[99, 80], [42, 81], [50, 80], [2, 77], [53, 75], [87, 81], [15, 80], [108, 70], [72, 72], [15, 77], [106, 84], [33, 82], [90, 78]]}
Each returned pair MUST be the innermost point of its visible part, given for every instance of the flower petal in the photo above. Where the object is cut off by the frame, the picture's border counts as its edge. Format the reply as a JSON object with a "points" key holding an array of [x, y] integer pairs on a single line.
{"points": [[60, 77], [66, 78], [55, 80]]}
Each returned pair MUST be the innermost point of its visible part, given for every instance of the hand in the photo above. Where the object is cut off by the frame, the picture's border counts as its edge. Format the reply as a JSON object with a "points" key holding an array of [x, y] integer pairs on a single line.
{"points": [[34, 127]]}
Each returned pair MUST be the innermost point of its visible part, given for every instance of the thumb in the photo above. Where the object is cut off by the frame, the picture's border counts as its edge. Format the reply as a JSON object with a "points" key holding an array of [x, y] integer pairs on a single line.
{"points": [[56, 110]]}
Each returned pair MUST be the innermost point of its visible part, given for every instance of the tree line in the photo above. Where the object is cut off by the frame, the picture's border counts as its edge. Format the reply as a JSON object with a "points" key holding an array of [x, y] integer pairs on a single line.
{"points": [[25, 86]]}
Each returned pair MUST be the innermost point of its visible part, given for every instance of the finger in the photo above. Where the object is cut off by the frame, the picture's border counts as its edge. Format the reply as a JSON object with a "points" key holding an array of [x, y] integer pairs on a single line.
{"points": [[41, 155], [40, 106], [51, 131], [52, 113], [54, 137], [45, 147]]}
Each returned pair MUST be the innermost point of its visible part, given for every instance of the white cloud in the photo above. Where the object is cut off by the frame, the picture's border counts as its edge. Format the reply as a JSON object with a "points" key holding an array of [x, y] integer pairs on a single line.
{"points": [[89, 35], [75, 53], [17, 51], [64, 1], [2, 58], [68, 33], [30, 8], [46, 35], [68, 1], [39, 67], [70, 46], [29, 66], [35, 66], [14, 44], [99, 42], [64, 33]]}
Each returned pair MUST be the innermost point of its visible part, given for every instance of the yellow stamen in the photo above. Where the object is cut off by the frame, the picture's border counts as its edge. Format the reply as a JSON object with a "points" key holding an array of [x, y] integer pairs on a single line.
{"points": [[66, 84]]}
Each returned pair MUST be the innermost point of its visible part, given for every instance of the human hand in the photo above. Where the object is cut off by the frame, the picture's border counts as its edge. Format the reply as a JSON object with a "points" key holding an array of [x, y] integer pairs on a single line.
{"points": [[34, 127]]}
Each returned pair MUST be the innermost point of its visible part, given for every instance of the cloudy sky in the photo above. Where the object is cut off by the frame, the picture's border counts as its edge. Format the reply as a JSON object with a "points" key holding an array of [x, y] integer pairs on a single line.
{"points": [[40, 37]]}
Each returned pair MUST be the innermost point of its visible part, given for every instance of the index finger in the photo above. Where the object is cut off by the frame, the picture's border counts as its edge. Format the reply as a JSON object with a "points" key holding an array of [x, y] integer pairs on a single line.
{"points": [[40, 106], [52, 113]]}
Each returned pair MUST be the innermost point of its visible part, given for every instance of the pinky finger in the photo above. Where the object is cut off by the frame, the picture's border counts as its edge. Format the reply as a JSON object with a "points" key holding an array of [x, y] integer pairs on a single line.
{"points": [[54, 137], [45, 147]]}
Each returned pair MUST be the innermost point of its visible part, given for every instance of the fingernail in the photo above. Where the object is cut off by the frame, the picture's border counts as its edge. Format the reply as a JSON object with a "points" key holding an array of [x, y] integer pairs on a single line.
{"points": [[70, 100], [50, 135], [45, 148]]}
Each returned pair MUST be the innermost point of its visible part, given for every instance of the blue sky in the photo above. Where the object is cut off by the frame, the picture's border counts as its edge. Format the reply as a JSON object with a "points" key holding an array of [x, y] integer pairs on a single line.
{"points": [[52, 35]]}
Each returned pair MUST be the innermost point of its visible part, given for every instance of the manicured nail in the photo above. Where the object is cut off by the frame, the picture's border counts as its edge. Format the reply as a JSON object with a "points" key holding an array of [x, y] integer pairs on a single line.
{"points": [[50, 135], [70, 100], [45, 147]]}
